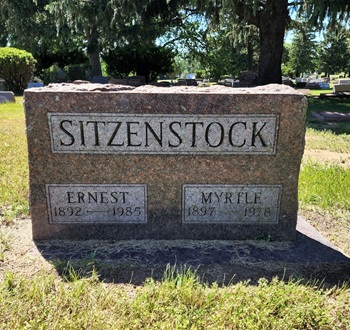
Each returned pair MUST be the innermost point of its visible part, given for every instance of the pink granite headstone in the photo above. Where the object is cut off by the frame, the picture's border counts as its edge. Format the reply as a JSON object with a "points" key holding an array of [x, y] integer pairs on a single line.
{"points": [[118, 162]]}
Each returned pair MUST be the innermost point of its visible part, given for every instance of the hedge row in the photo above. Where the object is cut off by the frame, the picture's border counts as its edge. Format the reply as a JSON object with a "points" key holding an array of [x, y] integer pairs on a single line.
{"points": [[16, 68]]}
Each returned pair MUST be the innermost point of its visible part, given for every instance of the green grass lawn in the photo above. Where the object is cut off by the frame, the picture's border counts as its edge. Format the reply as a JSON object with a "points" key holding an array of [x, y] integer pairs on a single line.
{"points": [[328, 104], [179, 301], [317, 92], [13, 161]]}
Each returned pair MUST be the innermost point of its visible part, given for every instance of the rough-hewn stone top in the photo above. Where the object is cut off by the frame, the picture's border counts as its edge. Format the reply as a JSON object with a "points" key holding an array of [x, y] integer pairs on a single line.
{"points": [[215, 89]]}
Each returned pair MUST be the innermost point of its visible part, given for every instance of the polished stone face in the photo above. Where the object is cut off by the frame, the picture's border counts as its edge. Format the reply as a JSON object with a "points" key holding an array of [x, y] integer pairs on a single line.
{"points": [[89, 203], [163, 134], [246, 204], [118, 162]]}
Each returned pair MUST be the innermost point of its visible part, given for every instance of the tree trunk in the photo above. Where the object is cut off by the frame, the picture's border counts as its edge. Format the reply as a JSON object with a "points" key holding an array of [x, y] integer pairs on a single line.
{"points": [[95, 62], [250, 54], [272, 23], [93, 51]]}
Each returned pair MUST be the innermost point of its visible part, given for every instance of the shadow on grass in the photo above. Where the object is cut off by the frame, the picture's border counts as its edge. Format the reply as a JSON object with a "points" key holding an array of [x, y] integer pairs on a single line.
{"points": [[310, 258], [317, 104]]}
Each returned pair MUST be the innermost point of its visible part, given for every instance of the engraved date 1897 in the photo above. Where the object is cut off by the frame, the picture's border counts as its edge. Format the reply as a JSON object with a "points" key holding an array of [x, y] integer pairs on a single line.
{"points": [[200, 211]]}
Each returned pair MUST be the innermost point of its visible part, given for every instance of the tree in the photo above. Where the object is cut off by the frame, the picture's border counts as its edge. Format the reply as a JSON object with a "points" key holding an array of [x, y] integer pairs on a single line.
{"points": [[111, 22], [97, 23], [54, 31], [271, 17], [30, 26], [222, 56], [302, 52], [3, 34], [149, 61], [20, 21], [86, 18], [213, 50], [334, 51]]}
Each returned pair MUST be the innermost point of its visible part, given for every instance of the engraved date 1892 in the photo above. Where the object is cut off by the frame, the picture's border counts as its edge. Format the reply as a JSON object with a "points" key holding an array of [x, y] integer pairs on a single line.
{"points": [[67, 211]]}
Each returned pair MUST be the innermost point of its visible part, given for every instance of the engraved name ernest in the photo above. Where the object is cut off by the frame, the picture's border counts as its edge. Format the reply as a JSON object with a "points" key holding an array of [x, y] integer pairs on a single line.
{"points": [[129, 133], [230, 203], [96, 203]]}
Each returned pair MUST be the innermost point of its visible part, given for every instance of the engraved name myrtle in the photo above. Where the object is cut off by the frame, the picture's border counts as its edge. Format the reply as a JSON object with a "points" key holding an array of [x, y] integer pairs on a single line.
{"points": [[230, 203]]}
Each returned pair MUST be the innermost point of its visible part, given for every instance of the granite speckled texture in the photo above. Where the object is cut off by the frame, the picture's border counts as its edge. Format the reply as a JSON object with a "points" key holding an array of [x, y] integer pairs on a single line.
{"points": [[164, 174]]}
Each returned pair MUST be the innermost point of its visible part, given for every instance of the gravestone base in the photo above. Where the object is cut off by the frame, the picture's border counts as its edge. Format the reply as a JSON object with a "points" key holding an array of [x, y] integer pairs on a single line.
{"points": [[119, 162], [309, 257]]}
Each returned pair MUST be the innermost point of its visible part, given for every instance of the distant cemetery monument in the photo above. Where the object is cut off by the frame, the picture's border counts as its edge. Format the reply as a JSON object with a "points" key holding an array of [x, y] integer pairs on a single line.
{"points": [[121, 162], [7, 96]]}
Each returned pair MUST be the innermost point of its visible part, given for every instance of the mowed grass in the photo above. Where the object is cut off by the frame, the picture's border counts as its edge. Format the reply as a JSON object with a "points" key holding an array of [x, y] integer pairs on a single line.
{"points": [[327, 140], [179, 301], [323, 186], [13, 161], [325, 189]]}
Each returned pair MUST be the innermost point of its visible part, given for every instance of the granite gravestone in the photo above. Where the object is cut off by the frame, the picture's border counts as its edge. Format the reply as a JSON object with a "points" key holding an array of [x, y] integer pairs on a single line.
{"points": [[6, 96], [118, 162]]}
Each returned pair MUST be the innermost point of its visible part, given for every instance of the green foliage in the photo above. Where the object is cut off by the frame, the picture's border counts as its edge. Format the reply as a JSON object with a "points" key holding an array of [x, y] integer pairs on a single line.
{"points": [[103, 23], [26, 21], [51, 30], [222, 54], [302, 53], [16, 68], [317, 12], [201, 74], [60, 55], [3, 33], [334, 51], [13, 162], [78, 72], [179, 301], [53, 74], [219, 50], [327, 140], [327, 187], [4, 244], [148, 60]]}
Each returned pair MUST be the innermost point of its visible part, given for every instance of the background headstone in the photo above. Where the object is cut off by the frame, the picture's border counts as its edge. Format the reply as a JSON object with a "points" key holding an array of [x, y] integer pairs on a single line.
{"points": [[6, 96], [136, 81], [33, 84], [248, 78], [99, 80]]}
